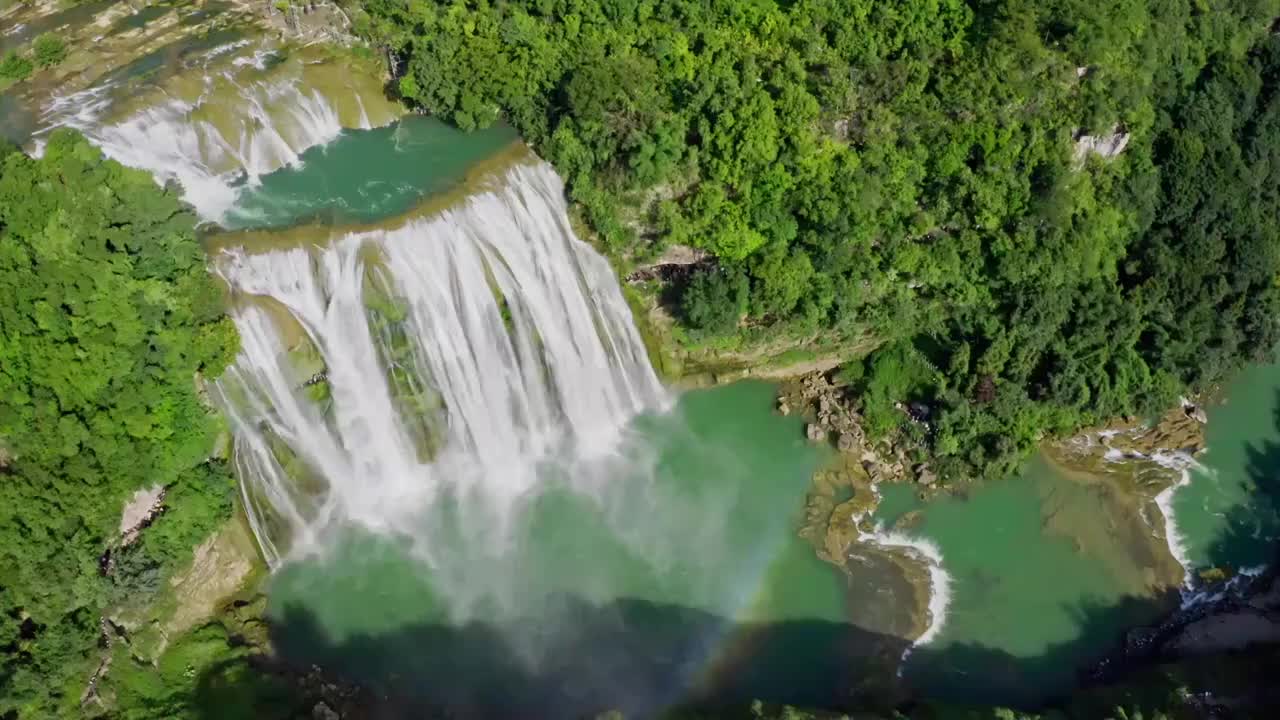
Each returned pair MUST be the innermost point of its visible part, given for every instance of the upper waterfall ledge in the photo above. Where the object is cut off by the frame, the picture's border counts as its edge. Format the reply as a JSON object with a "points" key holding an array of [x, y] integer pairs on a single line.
{"points": [[488, 175]]}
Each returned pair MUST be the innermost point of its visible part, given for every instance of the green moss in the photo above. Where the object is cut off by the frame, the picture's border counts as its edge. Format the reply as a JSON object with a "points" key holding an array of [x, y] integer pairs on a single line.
{"points": [[659, 345]]}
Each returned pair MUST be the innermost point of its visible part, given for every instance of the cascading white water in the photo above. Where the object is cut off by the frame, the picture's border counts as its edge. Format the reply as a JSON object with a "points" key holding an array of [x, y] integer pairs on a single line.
{"points": [[460, 351], [171, 143], [248, 111]]}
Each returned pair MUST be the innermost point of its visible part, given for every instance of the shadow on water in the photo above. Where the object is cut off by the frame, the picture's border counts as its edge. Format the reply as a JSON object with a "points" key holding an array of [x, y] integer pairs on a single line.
{"points": [[637, 657], [631, 655], [644, 658], [1249, 524], [970, 674]]}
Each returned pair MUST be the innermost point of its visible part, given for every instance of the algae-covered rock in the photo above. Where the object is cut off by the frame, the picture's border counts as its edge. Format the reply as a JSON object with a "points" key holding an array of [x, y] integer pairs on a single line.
{"points": [[220, 568], [305, 362]]}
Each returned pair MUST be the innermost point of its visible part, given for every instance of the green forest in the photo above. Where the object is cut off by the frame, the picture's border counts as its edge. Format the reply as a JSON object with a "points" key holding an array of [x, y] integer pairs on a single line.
{"points": [[109, 326], [909, 172]]}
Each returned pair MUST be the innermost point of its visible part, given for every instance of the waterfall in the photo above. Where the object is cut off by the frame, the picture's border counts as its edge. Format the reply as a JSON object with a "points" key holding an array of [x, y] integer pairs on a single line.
{"points": [[460, 352], [251, 110]]}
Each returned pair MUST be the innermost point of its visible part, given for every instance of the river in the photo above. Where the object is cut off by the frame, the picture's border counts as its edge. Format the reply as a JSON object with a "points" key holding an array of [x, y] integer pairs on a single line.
{"points": [[475, 493]]}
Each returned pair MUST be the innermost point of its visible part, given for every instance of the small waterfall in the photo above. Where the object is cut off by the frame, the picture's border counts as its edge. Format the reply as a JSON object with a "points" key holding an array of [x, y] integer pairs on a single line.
{"points": [[249, 111], [459, 352]]}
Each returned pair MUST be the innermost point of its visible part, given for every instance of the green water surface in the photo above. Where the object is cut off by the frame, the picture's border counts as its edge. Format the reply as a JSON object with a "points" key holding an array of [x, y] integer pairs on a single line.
{"points": [[366, 175], [681, 576], [1227, 515], [1046, 573]]}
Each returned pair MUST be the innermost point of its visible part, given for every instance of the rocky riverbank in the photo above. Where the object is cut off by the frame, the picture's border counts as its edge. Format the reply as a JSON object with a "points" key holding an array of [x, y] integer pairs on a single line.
{"points": [[1131, 465], [1240, 614], [832, 417], [844, 495]]}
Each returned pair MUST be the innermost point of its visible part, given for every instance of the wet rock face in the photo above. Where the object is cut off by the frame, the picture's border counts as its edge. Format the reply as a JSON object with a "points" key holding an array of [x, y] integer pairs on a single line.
{"points": [[1241, 612], [1107, 448]]}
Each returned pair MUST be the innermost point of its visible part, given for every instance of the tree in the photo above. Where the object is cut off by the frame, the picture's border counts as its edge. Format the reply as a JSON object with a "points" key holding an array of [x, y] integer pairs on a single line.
{"points": [[909, 172], [110, 322], [715, 300]]}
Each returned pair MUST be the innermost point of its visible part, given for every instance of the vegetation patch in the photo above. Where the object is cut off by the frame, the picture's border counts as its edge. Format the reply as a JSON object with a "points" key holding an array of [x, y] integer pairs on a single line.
{"points": [[109, 319], [911, 173]]}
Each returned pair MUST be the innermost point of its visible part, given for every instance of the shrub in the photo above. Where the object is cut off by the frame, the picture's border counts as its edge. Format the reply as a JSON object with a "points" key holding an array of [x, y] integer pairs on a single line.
{"points": [[49, 50], [15, 67]]}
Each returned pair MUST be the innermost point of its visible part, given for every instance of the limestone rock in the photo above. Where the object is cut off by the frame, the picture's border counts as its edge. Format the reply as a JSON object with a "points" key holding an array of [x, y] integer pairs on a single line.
{"points": [[323, 712], [925, 476], [144, 505], [1104, 146], [816, 432], [220, 566], [846, 443]]}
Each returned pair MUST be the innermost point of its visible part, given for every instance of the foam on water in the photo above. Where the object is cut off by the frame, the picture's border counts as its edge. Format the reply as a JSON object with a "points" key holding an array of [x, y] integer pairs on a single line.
{"points": [[1184, 465], [925, 551]]}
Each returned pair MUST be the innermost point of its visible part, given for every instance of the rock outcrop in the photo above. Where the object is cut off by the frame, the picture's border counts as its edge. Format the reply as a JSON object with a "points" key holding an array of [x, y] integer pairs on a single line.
{"points": [[1104, 146], [675, 262], [1234, 614]]}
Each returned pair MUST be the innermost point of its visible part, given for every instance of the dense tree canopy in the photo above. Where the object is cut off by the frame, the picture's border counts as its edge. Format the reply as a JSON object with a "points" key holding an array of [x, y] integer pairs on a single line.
{"points": [[910, 171], [109, 321]]}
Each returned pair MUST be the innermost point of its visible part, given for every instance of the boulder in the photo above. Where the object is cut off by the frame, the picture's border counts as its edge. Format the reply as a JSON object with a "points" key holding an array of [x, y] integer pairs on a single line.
{"points": [[925, 476], [1195, 412], [816, 433], [323, 712], [846, 443]]}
